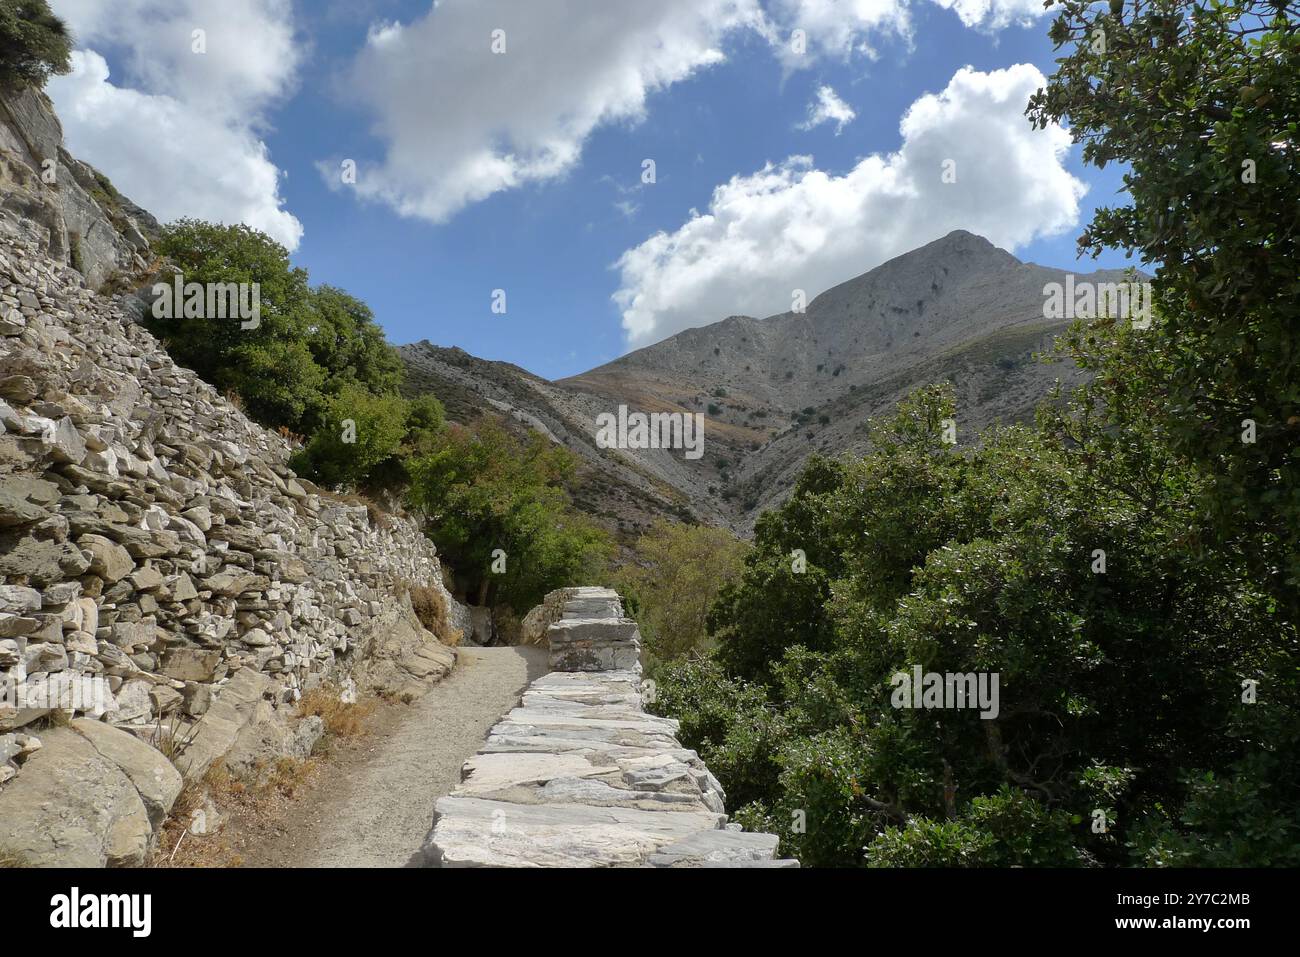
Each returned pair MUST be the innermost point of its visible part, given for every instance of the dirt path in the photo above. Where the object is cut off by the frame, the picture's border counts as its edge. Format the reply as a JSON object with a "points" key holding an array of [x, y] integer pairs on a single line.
{"points": [[374, 805]]}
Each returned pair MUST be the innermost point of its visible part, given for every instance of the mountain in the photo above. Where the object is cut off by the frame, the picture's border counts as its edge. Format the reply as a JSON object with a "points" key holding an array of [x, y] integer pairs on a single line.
{"points": [[774, 390]]}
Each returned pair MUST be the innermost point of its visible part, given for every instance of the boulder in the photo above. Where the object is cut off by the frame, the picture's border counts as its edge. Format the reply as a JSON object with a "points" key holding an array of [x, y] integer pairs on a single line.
{"points": [[72, 807], [156, 781]]}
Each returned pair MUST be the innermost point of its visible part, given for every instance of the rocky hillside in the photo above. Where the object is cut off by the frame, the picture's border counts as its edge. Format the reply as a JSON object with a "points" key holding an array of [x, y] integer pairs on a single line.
{"points": [[773, 390], [165, 579], [67, 208]]}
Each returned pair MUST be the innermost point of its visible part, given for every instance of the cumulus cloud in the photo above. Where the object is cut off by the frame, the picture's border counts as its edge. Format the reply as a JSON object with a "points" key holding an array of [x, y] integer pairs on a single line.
{"points": [[460, 122], [170, 159], [793, 226], [828, 108], [179, 131], [994, 14], [840, 28]]}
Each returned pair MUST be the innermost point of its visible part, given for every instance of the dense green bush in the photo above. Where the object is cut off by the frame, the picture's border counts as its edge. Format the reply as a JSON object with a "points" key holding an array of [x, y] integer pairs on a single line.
{"points": [[491, 498], [1127, 567], [359, 432], [308, 346], [34, 43], [1114, 685], [271, 367]]}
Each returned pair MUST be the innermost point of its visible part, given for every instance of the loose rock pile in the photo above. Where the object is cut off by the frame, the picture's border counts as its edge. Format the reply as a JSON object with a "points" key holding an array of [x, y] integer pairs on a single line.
{"points": [[156, 549], [579, 775]]}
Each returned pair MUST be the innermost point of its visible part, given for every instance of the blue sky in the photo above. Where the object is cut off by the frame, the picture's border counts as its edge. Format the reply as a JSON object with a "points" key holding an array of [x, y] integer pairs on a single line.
{"points": [[553, 239]]}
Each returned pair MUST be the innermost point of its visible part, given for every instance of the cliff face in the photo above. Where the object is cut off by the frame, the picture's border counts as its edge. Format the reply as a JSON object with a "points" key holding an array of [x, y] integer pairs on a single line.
{"points": [[68, 209], [163, 574]]}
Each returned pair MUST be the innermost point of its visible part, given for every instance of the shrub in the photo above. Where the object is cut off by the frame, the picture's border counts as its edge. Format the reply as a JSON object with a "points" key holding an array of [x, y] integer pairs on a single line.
{"points": [[674, 578], [498, 507], [341, 719], [1007, 829], [360, 431]]}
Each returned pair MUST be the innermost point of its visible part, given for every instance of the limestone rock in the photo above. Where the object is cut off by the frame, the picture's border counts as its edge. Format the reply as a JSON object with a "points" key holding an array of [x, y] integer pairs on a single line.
{"points": [[109, 560], [72, 807], [579, 775], [157, 782], [191, 664]]}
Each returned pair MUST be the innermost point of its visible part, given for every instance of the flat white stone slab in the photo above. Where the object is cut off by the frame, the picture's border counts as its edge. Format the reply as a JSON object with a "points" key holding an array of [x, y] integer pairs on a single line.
{"points": [[579, 775]]}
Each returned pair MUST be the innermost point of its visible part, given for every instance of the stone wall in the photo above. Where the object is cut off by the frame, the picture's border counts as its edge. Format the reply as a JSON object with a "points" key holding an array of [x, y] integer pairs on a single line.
{"points": [[579, 775], [162, 570]]}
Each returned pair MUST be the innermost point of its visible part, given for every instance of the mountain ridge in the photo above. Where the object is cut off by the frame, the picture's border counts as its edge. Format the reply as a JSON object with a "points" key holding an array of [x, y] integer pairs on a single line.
{"points": [[774, 389]]}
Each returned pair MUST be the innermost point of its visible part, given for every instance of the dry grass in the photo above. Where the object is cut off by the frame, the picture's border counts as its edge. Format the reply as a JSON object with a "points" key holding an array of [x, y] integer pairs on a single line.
{"points": [[235, 399], [12, 859], [431, 608], [188, 839], [184, 839], [254, 808], [293, 438], [169, 740], [341, 720], [508, 625]]}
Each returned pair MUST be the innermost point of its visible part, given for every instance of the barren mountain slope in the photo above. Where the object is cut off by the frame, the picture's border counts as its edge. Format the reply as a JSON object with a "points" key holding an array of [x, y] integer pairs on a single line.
{"points": [[958, 309]]}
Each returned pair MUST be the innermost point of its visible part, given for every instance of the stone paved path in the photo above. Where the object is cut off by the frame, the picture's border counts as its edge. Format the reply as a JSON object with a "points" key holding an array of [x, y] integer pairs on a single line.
{"points": [[580, 775]]}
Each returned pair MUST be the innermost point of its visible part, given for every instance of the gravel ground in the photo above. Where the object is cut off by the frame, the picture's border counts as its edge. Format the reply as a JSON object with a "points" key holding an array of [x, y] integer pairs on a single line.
{"points": [[374, 807]]}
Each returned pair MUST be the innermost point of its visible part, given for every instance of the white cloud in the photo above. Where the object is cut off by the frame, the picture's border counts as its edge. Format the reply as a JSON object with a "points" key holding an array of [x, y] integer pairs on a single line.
{"points": [[838, 28], [794, 226], [168, 158], [828, 108], [460, 123], [994, 14], [179, 132]]}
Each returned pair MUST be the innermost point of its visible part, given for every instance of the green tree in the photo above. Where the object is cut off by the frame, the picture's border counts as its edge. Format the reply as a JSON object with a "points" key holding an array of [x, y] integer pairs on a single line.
{"points": [[677, 573], [490, 498], [307, 348], [34, 43], [270, 366], [347, 343], [782, 597], [360, 431], [1200, 100]]}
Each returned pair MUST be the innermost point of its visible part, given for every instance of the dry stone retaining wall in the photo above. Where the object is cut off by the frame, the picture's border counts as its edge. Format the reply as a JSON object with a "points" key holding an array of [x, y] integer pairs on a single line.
{"points": [[580, 775], [156, 547]]}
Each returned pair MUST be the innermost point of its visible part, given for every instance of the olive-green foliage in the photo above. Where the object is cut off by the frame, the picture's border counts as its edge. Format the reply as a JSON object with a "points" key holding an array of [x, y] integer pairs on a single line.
{"points": [[271, 367], [34, 43], [1201, 101], [349, 345], [1007, 829], [774, 605], [676, 576], [1112, 685], [483, 490], [1128, 567], [308, 345], [359, 432]]}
